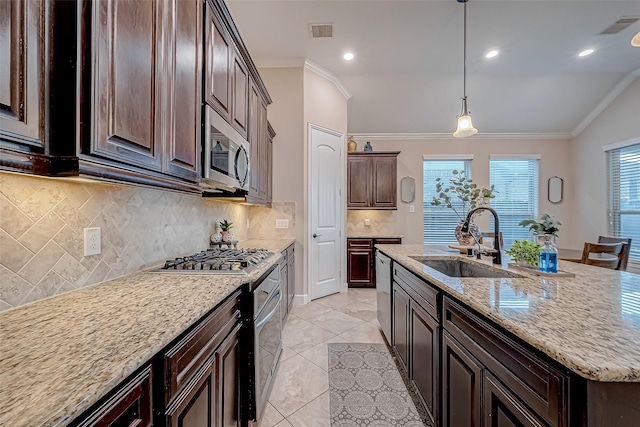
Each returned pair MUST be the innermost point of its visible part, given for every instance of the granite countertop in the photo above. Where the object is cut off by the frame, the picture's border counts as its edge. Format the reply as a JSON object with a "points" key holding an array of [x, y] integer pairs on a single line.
{"points": [[589, 323], [60, 355]]}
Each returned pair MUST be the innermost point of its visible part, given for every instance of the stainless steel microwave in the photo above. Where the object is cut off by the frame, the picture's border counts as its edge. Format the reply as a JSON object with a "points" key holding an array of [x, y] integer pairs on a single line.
{"points": [[225, 155]]}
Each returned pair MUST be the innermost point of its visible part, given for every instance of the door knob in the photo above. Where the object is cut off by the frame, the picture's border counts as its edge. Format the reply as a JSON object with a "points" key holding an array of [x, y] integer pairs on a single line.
{"points": [[316, 235]]}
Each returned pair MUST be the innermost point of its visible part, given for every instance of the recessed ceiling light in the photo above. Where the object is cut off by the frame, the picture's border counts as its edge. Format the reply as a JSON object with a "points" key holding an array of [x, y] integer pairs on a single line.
{"points": [[586, 52], [348, 56], [492, 54]]}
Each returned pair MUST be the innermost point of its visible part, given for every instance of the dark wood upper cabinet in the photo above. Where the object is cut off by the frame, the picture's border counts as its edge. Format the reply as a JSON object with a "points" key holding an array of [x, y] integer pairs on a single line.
{"points": [[218, 61], [371, 180], [183, 112], [240, 106], [269, 173], [128, 76], [254, 142], [37, 88]]}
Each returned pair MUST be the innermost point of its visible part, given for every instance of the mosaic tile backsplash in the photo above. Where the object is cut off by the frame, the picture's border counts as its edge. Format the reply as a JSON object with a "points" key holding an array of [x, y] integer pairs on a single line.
{"points": [[42, 222]]}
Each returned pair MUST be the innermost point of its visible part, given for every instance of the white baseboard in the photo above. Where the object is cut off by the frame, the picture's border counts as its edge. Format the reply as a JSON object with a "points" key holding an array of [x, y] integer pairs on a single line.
{"points": [[301, 299], [345, 287]]}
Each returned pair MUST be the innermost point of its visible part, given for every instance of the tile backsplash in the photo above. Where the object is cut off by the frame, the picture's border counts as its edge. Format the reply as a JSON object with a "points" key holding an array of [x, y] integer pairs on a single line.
{"points": [[42, 222], [383, 223]]}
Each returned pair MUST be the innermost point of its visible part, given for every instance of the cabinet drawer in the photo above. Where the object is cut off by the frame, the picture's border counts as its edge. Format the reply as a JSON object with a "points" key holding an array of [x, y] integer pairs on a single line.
{"points": [[538, 384], [129, 406], [359, 243], [184, 359], [425, 295], [388, 241]]}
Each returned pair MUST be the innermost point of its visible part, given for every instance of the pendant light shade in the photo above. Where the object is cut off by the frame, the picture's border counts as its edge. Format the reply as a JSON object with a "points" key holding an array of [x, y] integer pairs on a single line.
{"points": [[465, 126]]}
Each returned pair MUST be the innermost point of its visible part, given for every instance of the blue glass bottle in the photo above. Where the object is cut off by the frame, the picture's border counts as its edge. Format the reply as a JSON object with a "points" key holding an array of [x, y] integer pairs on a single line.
{"points": [[548, 256]]}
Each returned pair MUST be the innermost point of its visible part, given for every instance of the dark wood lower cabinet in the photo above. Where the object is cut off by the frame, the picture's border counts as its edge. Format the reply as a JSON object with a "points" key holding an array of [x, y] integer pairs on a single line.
{"points": [[212, 398], [424, 358], [461, 386], [400, 324], [361, 267], [502, 408]]}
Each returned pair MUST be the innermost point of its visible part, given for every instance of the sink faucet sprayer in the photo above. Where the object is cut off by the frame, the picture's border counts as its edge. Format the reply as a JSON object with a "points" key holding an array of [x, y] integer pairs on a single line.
{"points": [[497, 257]]}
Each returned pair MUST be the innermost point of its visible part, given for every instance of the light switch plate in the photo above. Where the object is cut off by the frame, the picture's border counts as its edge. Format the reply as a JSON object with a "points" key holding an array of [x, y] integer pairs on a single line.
{"points": [[92, 243], [412, 208], [282, 223]]}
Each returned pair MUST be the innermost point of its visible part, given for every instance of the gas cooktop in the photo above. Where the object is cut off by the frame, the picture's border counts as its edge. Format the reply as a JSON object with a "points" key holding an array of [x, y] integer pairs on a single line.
{"points": [[217, 261]]}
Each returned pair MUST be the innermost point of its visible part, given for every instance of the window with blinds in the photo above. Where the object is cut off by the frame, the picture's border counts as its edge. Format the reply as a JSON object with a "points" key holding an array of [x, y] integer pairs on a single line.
{"points": [[516, 186], [623, 169], [440, 221]]}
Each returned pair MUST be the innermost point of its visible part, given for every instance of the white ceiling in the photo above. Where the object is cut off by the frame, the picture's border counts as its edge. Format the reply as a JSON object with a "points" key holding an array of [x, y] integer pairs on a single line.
{"points": [[407, 73]]}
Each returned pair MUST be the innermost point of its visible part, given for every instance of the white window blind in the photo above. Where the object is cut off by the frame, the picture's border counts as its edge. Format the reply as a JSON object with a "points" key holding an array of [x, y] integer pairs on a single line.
{"points": [[623, 169], [516, 186], [440, 222]]}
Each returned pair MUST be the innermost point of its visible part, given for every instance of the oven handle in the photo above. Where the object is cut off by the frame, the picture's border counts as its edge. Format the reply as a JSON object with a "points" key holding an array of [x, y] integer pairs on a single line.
{"points": [[270, 315]]}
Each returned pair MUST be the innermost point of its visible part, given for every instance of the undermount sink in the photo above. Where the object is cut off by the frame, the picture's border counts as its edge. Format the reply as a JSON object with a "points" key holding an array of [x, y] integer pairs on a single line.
{"points": [[458, 268]]}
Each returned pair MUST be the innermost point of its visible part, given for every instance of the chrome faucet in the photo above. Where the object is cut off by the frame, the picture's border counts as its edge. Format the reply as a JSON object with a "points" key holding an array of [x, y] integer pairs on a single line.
{"points": [[496, 255]]}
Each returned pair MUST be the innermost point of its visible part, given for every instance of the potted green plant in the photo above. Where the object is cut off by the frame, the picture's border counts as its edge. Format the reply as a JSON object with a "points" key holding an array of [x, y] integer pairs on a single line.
{"points": [[225, 226], [524, 252], [470, 196]]}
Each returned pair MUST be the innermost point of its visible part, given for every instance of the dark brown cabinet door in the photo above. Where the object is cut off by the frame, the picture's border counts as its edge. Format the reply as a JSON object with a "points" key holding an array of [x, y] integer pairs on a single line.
{"points": [[240, 107], [400, 324], [22, 71], [182, 115], [254, 142], [218, 52], [461, 386], [502, 408], [263, 141], [384, 173], [227, 385], [424, 356], [127, 81], [196, 404], [359, 270], [358, 182], [129, 406], [271, 134]]}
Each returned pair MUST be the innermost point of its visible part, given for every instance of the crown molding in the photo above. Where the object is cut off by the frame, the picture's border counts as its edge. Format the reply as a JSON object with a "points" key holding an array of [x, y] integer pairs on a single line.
{"points": [[323, 72], [436, 136], [611, 96]]}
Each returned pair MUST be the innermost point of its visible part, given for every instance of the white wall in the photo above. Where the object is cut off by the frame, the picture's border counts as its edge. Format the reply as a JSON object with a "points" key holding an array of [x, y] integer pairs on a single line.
{"points": [[299, 97], [620, 121], [555, 160]]}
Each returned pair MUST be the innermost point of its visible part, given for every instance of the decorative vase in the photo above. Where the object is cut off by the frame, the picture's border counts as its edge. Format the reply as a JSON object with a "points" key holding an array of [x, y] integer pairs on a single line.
{"points": [[228, 237], [368, 147], [216, 237], [351, 144], [467, 238]]}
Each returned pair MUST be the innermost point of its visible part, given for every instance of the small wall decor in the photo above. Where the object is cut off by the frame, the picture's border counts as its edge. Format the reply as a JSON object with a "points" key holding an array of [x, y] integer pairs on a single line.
{"points": [[407, 189], [554, 189], [368, 147]]}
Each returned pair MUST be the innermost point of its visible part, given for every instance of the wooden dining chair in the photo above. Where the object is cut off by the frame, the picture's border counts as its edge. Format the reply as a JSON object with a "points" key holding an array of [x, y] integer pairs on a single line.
{"points": [[601, 250], [624, 253]]}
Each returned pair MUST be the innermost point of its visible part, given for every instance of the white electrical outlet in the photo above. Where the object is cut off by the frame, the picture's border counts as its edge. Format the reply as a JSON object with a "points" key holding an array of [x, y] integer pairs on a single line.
{"points": [[92, 244], [367, 222], [412, 208], [282, 223]]}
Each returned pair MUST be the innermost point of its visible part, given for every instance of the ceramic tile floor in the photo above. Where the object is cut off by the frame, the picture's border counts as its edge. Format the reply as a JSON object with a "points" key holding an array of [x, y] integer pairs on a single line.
{"points": [[300, 394]]}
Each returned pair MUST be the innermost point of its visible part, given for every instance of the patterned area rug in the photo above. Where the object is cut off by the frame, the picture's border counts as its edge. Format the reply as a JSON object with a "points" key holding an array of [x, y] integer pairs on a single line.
{"points": [[366, 388]]}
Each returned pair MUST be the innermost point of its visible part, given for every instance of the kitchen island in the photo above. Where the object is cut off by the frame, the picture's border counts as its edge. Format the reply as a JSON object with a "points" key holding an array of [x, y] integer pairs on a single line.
{"points": [[586, 329], [61, 355]]}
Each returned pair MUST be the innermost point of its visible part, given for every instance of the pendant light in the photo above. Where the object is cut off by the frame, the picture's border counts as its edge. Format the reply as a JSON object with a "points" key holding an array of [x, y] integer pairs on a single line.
{"points": [[465, 126]]}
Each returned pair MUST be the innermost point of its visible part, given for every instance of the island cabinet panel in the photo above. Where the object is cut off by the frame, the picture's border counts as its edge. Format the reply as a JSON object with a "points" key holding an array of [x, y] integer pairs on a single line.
{"points": [[127, 83], [461, 386], [371, 180], [400, 324], [534, 381], [218, 72], [503, 409], [424, 355], [129, 405]]}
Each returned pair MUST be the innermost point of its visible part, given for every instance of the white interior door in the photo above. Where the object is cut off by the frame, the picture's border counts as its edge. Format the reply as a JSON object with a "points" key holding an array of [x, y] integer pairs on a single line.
{"points": [[325, 211]]}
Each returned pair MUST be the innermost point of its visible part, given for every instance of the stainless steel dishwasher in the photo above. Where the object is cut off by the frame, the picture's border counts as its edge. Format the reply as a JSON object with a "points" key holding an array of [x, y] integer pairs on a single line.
{"points": [[383, 288]]}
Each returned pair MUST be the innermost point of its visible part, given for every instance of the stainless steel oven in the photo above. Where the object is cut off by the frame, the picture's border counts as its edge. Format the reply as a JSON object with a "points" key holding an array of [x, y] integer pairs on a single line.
{"points": [[267, 302], [225, 155]]}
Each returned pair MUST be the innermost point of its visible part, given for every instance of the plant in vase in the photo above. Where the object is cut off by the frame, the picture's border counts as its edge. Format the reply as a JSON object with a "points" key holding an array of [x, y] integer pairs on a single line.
{"points": [[524, 252], [225, 226], [461, 195], [546, 225]]}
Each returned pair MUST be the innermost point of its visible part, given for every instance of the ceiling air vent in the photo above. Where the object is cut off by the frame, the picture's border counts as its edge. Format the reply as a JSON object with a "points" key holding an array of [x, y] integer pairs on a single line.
{"points": [[620, 24], [317, 31]]}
